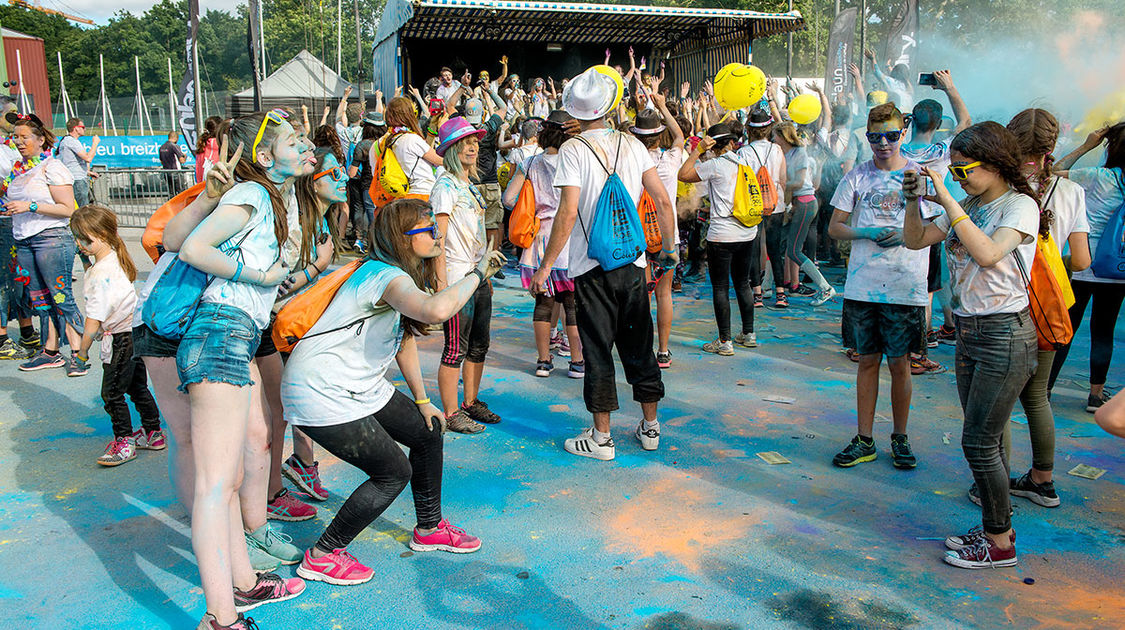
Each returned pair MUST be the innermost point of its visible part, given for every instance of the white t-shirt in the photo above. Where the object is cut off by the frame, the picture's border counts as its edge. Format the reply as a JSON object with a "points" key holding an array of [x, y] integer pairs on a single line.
{"points": [[797, 160], [8, 158], [465, 239], [718, 176], [935, 156], [445, 91], [68, 150], [110, 299], [578, 166], [668, 163], [540, 170], [519, 155], [758, 151], [258, 251], [882, 275], [409, 149], [1000, 288], [339, 376], [1105, 192], [1067, 202], [34, 186]]}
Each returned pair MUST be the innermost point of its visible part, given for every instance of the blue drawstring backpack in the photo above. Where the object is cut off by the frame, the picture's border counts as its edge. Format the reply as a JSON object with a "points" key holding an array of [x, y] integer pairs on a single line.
{"points": [[171, 305], [1109, 258], [616, 237]]}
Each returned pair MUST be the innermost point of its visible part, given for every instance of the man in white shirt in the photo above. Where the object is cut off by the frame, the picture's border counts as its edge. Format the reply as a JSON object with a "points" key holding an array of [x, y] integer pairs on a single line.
{"points": [[613, 305], [77, 158], [448, 86]]}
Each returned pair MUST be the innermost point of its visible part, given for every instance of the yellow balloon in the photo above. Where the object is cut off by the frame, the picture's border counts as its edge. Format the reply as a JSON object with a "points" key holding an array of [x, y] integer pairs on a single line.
{"points": [[612, 73], [804, 109], [738, 85]]}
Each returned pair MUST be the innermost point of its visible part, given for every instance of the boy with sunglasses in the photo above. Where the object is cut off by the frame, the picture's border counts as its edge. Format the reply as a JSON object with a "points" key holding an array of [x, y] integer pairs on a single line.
{"points": [[885, 293]]}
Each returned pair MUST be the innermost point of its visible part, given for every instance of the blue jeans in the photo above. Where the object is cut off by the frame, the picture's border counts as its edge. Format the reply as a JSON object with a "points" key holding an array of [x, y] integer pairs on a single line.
{"points": [[996, 355], [217, 347], [48, 258], [81, 191], [13, 295]]}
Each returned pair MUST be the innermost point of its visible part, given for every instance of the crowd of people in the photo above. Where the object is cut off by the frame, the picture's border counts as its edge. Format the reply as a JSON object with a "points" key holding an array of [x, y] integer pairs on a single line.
{"points": [[425, 187]]}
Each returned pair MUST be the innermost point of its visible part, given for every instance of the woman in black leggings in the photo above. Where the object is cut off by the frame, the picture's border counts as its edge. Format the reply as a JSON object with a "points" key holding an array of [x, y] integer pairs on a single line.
{"points": [[1105, 193], [335, 387]]}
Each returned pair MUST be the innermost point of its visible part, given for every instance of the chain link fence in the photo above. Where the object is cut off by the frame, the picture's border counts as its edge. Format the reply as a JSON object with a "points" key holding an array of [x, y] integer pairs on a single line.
{"points": [[135, 193]]}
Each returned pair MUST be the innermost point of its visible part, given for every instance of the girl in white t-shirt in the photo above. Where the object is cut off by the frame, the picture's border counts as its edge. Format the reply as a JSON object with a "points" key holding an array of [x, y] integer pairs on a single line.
{"points": [[661, 134], [110, 299], [1037, 131], [239, 244], [990, 239], [416, 157], [336, 389], [1105, 193]]}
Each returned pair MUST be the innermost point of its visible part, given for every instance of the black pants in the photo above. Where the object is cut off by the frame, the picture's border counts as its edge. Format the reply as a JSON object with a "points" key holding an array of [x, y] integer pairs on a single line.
{"points": [[126, 375], [613, 309], [1106, 298], [371, 445], [776, 231], [737, 262], [545, 307], [468, 333], [826, 247]]}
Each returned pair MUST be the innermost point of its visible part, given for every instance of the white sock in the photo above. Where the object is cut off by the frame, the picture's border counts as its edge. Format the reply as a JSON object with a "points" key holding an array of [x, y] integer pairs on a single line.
{"points": [[811, 270], [650, 425], [599, 437]]}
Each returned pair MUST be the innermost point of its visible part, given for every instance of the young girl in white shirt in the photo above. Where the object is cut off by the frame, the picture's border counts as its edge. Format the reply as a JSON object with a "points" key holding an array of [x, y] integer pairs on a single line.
{"points": [[110, 300]]}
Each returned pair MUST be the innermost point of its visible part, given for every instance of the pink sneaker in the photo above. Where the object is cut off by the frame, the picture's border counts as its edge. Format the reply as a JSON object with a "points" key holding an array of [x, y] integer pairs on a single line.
{"points": [[307, 478], [338, 567], [445, 538], [285, 507], [150, 440], [119, 451], [270, 589]]}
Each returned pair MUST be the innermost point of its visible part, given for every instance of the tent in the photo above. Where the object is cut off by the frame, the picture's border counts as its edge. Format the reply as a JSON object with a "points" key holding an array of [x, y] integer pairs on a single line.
{"points": [[416, 37], [304, 79]]}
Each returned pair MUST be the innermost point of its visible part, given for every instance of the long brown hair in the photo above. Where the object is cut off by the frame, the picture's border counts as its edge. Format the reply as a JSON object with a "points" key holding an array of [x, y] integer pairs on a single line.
{"points": [[308, 209], [94, 221], [1037, 131], [243, 130], [210, 130], [991, 143], [400, 113], [390, 244]]}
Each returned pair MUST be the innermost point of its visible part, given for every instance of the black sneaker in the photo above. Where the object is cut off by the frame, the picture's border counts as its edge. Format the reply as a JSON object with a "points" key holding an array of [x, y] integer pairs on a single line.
{"points": [[931, 339], [857, 451], [974, 496], [1093, 403], [802, 290], [480, 412], [543, 368], [1040, 493], [900, 451]]}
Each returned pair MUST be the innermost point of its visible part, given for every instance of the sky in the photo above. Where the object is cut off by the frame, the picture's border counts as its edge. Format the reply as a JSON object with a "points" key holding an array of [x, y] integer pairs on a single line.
{"points": [[100, 11]]}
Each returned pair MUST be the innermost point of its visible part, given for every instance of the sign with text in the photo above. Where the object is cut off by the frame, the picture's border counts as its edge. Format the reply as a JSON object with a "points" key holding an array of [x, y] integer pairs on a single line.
{"points": [[133, 151]]}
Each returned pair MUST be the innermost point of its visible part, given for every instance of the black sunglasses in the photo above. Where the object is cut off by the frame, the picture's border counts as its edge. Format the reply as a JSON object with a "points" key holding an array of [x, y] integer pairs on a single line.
{"points": [[891, 136]]}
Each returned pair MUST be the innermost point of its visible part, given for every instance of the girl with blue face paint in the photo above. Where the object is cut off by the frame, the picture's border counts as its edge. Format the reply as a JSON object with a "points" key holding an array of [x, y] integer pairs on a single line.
{"points": [[316, 246], [242, 244]]}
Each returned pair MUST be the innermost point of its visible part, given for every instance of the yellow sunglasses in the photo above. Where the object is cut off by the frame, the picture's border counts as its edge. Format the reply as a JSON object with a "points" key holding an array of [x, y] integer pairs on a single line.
{"points": [[961, 171], [276, 116]]}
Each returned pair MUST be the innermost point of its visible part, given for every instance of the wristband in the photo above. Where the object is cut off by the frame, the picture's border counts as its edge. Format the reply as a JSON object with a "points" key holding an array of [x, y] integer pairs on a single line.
{"points": [[668, 251], [479, 274], [959, 219], [237, 272], [84, 359], [308, 278], [422, 401]]}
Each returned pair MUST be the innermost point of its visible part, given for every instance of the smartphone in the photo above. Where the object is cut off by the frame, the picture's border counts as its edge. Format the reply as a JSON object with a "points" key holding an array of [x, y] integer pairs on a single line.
{"points": [[927, 78]]}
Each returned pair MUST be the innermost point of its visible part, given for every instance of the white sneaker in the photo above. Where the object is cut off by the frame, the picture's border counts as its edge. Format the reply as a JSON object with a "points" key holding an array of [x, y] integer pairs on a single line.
{"points": [[584, 446], [748, 340], [650, 439], [118, 452], [823, 296], [721, 348]]}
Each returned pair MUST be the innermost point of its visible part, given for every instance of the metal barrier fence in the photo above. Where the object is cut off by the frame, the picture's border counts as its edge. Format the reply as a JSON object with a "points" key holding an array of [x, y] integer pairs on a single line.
{"points": [[135, 193]]}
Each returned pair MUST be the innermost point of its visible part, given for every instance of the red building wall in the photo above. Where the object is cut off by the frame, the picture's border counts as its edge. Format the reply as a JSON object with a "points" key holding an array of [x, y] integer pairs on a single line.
{"points": [[34, 64]]}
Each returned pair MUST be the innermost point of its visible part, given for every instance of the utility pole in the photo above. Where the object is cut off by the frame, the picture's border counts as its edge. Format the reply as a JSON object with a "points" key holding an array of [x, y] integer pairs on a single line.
{"points": [[171, 98], [862, 33], [789, 52], [339, 33], [360, 75]]}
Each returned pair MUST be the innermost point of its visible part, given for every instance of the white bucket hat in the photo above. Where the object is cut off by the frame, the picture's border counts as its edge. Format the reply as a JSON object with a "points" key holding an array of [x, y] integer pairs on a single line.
{"points": [[591, 95]]}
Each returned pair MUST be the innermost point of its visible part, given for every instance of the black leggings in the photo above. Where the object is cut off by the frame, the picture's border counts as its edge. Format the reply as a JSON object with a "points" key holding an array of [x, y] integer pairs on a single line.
{"points": [[1107, 298], [545, 306], [738, 262], [371, 445], [776, 231]]}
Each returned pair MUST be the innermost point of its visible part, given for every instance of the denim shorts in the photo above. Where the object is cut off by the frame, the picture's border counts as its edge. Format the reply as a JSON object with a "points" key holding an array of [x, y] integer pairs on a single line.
{"points": [[218, 346], [890, 329], [149, 344]]}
